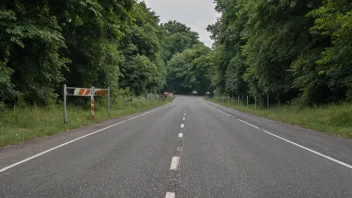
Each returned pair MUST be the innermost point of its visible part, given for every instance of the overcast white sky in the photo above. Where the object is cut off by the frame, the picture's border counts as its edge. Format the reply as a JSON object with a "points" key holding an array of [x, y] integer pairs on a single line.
{"points": [[196, 14]]}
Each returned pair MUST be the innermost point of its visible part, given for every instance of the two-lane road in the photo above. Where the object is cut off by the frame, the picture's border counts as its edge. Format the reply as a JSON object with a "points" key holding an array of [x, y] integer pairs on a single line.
{"points": [[188, 148]]}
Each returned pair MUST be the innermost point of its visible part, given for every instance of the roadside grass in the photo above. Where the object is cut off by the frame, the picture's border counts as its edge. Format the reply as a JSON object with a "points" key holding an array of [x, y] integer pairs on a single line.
{"points": [[25, 123], [332, 119]]}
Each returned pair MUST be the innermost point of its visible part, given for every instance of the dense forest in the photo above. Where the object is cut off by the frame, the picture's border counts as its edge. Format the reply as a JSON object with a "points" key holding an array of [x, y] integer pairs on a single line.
{"points": [[296, 51], [101, 43]]}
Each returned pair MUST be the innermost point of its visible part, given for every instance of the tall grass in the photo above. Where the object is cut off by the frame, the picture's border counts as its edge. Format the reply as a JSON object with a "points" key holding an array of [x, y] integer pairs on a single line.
{"points": [[332, 119], [25, 123]]}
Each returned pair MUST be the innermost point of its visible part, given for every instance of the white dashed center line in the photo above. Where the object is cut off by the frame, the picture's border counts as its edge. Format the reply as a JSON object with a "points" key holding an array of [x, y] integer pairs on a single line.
{"points": [[179, 149], [174, 163], [170, 195]]}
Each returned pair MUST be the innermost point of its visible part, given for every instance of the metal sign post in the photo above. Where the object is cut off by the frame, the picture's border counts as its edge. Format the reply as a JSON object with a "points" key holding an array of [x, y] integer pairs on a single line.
{"points": [[65, 111], [73, 91], [109, 101], [92, 117]]}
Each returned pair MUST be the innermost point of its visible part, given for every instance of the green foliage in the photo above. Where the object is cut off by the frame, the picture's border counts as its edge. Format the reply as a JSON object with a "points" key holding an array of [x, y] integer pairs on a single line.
{"points": [[101, 43], [181, 48], [292, 50], [31, 40], [178, 37], [190, 70], [143, 69], [334, 20], [139, 74]]}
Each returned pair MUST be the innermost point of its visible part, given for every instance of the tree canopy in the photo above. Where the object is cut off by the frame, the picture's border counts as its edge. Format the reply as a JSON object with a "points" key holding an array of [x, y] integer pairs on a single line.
{"points": [[120, 44], [296, 51]]}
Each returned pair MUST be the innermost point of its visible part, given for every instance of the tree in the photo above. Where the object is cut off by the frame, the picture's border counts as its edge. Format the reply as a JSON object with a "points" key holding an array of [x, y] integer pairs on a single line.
{"points": [[329, 77], [296, 51], [143, 69], [30, 61], [92, 30], [227, 33], [178, 37], [190, 70]]}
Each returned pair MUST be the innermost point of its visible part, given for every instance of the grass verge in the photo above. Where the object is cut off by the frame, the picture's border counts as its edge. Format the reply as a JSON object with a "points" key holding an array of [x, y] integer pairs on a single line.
{"points": [[21, 124], [332, 119]]}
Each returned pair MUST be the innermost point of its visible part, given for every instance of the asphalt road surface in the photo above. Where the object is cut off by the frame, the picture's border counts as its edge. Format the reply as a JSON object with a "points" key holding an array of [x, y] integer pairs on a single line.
{"points": [[187, 148]]}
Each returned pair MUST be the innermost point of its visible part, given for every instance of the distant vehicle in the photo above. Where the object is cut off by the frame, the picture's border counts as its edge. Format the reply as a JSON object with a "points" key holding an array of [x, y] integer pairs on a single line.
{"points": [[168, 94], [195, 92]]}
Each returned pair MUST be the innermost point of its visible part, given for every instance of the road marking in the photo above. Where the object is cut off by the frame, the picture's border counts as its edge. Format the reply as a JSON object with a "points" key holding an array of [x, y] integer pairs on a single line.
{"points": [[170, 195], [180, 135], [248, 124], [184, 118], [185, 110], [293, 143], [182, 126], [74, 140], [184, 114], [179, 149], [310, 150], [216, 108], [174, 163]]}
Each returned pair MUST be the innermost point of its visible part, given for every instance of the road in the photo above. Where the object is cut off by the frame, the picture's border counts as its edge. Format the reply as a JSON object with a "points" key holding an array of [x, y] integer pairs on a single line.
{"points": [[187, 148]]}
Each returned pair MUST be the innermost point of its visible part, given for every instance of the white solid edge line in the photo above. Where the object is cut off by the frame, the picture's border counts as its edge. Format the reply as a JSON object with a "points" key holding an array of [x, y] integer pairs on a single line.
{"points": [[216, 108], [170, 195], [180, 135], [174, 163], [182, 126], [71, 141], [298, 145], [310, 150], [248, 124]]}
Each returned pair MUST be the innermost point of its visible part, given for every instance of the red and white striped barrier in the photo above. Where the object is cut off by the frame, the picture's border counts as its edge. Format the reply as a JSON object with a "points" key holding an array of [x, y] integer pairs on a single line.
{"points": [[73, 91], [86, 92]]}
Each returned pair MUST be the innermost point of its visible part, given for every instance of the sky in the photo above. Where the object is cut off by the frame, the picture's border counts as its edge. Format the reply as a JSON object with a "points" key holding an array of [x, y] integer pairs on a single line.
{"points": [[196, 14]]}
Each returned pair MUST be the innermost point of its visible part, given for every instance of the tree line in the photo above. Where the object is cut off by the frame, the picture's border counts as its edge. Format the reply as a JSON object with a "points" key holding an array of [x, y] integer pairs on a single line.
{"points": [[296, 51], [103, 43]]}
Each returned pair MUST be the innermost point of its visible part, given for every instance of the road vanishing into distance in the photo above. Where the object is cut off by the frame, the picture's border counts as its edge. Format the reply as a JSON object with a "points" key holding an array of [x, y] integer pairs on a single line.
{"points": [[187, 148]]}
